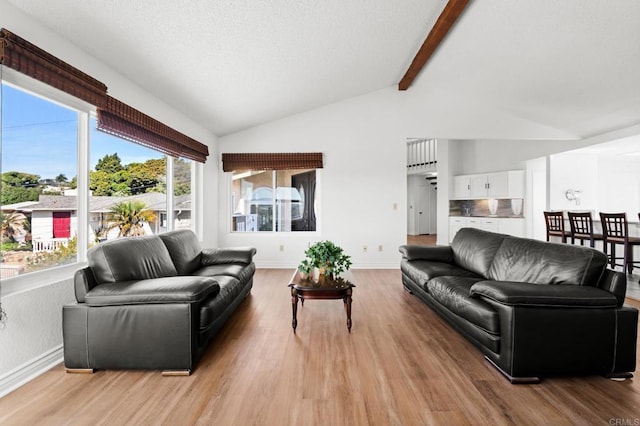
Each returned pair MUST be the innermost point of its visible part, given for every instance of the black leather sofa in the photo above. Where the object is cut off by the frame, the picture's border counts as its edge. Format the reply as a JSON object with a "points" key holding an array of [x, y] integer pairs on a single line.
{"points": [[533, 308], [152, 302]]}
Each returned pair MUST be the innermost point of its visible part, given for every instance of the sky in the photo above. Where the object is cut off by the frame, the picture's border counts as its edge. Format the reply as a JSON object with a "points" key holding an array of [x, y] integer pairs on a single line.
{"points": [[40, 137]]}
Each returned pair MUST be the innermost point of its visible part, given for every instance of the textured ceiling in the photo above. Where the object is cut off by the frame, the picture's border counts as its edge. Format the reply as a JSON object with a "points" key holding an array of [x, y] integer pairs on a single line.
{"points": [[570, 65], [232, 64]]}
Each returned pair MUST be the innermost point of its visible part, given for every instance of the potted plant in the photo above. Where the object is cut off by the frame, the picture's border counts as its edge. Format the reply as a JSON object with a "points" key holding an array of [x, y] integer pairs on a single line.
{"points": [[328, 258]]}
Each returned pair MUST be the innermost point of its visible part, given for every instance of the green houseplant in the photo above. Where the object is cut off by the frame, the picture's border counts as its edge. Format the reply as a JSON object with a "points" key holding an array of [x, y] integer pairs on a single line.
{"points": [[327, 257]]}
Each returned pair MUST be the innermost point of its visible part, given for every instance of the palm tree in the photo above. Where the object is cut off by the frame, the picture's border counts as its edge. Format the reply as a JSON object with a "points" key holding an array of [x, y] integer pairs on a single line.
{"points": [[9, 224], [130, 217]]}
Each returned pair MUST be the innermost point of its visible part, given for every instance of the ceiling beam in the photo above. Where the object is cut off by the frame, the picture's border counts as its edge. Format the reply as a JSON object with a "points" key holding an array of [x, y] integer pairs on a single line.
{"points": [[443, 25]]}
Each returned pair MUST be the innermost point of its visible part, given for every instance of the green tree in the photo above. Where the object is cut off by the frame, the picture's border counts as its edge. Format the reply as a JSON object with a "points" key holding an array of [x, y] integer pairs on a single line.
{"points": [[110, 184], [142, 178], [16, 187], [20, 179], [15, 194], [129, 217], [181, 177], [109, 164]]}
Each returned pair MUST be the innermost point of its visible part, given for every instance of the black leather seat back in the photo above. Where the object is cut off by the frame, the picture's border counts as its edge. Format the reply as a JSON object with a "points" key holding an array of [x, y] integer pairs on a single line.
{"points": [[131, 258], [184, 249], [539, 262], [474, 249]]}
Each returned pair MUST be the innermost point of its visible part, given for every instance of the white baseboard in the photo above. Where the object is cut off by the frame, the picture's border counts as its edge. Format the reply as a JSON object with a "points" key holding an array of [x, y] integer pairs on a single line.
{"points": [[30, 370]]}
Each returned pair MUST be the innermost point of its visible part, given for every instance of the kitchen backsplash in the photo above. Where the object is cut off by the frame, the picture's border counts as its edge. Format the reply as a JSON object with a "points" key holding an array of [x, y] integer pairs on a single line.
{"points": [[491, 207]]}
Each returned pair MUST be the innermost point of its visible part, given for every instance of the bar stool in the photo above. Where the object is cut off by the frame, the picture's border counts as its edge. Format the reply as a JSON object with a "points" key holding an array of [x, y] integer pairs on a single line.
{"points": [[615, 230], [555, 225], [582, 229]]}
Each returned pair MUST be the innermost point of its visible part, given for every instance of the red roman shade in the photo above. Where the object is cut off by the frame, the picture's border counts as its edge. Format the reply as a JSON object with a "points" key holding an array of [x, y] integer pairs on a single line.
{"points": [[271, 161], [122, 120], [26, 58]]}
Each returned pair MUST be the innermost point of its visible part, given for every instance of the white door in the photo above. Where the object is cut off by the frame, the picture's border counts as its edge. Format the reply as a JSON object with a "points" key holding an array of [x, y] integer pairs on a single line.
{"points": [[425, 210]]}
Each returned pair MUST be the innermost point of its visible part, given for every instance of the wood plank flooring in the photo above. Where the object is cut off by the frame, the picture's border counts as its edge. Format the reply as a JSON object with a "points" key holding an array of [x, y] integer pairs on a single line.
{"points": [[400, 365]]}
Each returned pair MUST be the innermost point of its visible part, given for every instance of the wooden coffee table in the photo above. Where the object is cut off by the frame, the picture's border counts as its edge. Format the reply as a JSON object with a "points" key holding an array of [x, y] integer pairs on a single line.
{"points": [[325, 289]]}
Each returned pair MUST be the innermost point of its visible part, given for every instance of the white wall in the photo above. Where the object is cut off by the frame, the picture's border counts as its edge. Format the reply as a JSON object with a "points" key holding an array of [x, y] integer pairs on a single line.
{"points": [[608, 183], [361, 189], [577, 172], [34, 327]]}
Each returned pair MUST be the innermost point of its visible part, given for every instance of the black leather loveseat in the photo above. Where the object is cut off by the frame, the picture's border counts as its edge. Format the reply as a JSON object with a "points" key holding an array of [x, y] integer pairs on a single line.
{"points": [[152, 302], [533, 308]]}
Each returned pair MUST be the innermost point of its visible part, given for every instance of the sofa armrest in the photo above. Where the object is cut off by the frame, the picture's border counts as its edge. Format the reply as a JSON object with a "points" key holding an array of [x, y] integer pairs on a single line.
{"points": [[83, 281], [527, 294], [615, 283], [217, 256], [436, 254], [180, 289]]}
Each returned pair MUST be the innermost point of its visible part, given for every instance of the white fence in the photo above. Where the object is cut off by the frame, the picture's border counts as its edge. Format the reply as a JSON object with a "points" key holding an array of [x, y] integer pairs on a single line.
{"points": [[422, 156], [49, 244]]}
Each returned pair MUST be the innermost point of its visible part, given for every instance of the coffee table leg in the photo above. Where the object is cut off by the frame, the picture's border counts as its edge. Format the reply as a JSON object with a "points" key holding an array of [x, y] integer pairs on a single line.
{"points": [[294, 306], [347, 305]]}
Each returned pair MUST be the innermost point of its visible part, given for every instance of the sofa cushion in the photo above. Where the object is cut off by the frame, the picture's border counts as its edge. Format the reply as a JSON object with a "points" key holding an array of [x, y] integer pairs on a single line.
{"points": [[241, 272], [421, 271], [474, 249], [184, 249], [527, 294], [540, 262], [214, 307], [131, 258], [180, 289], [453, 293]]}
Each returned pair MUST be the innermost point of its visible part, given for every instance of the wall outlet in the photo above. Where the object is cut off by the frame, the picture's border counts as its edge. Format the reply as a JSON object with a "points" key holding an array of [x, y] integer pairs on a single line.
{"points": [[364, 248], [380, 247], [281, 247]]}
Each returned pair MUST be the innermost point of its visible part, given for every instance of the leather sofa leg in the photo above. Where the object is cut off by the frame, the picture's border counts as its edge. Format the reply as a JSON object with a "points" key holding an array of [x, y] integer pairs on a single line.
{"points": [[407, 289], [171, 373], [80, 370], [619, 376], [515, 380]]}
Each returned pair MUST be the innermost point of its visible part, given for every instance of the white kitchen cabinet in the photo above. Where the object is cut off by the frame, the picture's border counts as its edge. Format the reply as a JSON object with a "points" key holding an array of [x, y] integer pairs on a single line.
{"points": [[461, 187], [509, 226], [509, 184]]}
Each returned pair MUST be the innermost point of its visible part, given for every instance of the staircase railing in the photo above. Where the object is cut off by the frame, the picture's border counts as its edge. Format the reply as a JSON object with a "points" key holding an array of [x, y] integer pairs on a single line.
{"points": [[422, 156]]}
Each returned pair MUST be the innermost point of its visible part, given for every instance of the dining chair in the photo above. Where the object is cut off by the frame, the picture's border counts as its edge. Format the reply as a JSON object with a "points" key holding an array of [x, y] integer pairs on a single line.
{"points": [[615, 230], [581, 228], [555, 225]]}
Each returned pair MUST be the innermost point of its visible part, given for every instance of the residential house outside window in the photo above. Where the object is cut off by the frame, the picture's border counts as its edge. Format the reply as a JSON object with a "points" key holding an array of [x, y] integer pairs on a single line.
{"points": [[39, 165]]}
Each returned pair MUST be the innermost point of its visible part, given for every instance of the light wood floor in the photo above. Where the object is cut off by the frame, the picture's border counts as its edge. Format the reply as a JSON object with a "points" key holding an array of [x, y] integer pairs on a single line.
{"points": [[401, 365], [425, 240]]}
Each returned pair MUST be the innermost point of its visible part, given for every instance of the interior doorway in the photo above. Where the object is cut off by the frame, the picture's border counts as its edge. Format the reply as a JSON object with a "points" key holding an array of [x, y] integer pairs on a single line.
{"points": [[421, 205]]}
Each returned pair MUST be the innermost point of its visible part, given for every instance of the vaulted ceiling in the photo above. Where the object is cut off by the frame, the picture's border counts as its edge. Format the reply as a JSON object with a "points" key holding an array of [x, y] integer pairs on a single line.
{"points": [[573, 65]]}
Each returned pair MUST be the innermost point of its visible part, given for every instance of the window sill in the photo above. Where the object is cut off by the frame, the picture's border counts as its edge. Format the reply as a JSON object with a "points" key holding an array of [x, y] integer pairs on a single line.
{"points": [[39, 279]]}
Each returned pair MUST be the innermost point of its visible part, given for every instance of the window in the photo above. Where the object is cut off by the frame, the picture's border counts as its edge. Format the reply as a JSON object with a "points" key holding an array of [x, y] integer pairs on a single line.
{"points": [[47, 174], [182, 176], [42, 220], [128, 187], [273, 201], [39, 165]]}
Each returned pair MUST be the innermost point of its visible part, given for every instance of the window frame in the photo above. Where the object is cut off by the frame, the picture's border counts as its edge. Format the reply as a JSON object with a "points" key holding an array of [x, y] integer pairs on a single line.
{"points": [[229, 210], [85, 112]]}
